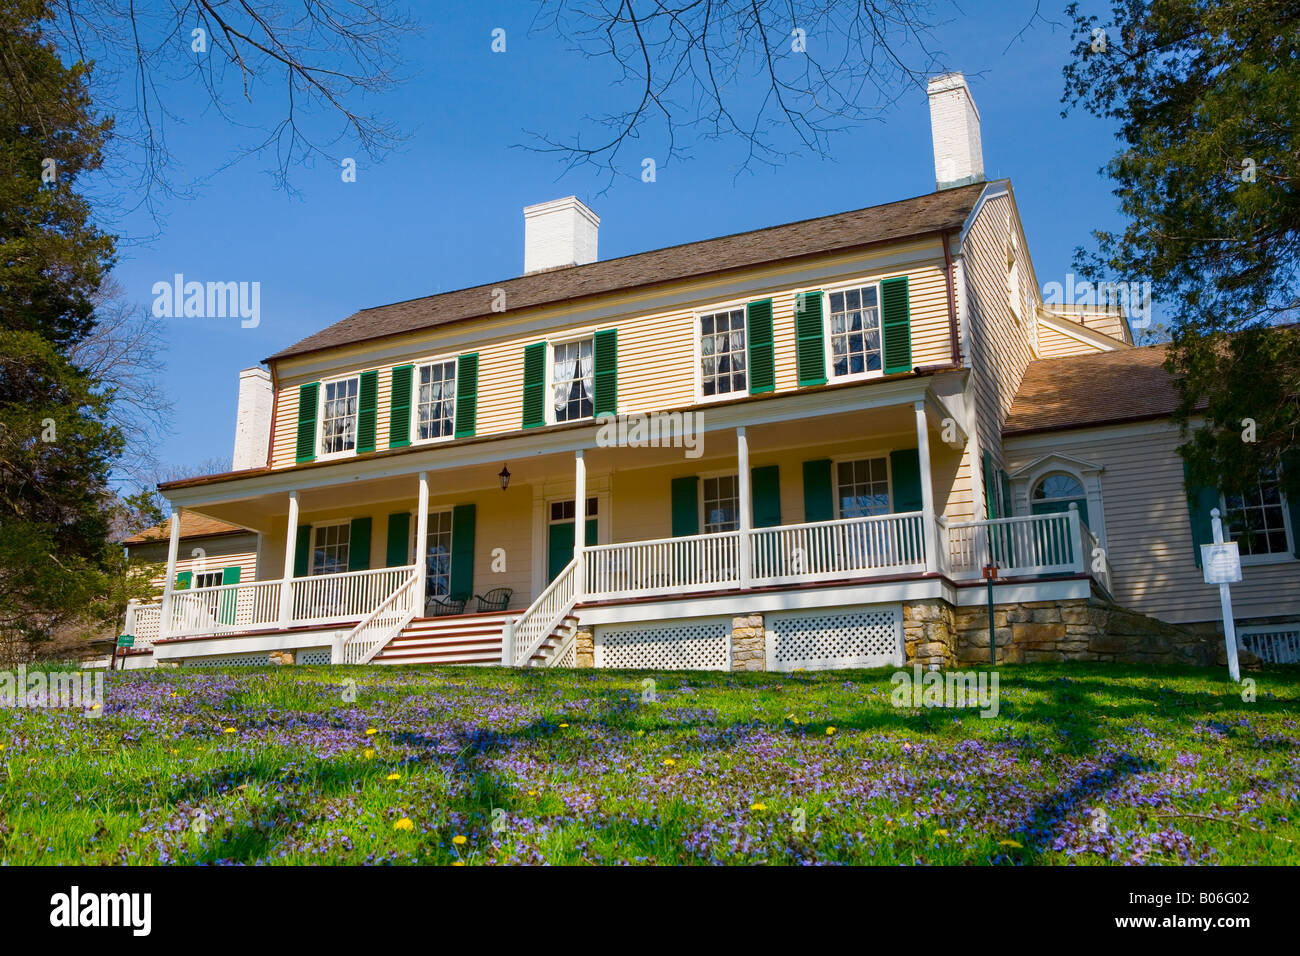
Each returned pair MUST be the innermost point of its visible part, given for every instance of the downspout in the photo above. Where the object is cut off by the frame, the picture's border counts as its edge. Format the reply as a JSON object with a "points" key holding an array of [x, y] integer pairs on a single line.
{"points": [[275, 411], [953, 338]]}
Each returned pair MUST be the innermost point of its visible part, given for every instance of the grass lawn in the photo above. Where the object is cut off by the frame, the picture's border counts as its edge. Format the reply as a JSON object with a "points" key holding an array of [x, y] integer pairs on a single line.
{"points": [[1084, 764]]}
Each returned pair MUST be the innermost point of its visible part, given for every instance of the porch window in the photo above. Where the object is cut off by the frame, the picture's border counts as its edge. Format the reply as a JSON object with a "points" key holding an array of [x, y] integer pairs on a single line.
{"points": [[437, 555], [571, 381], [207, 579], [863, 487], [436, 401], [1257, 520], [855, 331], [721, 503], [722, 353], [330, 549], [339, 416]]}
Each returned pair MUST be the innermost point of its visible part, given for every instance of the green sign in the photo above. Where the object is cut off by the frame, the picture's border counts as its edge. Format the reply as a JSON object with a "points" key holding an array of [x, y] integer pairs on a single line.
{"points": [[126, 640]]}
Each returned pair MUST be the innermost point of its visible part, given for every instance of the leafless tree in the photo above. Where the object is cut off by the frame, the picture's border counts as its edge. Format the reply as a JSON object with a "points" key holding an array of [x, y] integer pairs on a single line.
{"points": [[294, 73], [780, 76]]}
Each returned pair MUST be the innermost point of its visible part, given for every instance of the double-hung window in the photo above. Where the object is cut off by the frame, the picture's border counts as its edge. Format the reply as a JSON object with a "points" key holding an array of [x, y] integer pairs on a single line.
{"points": [[854, 319], [722, 353], [862, 487], [437, 554], [572, 387], [338, 432], [329, 554], [721, 503], [436, 401], [1257, 519]]}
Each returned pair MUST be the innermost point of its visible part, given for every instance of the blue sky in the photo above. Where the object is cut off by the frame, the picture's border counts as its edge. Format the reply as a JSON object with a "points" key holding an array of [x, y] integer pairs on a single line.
{"points": [[444, 210]]}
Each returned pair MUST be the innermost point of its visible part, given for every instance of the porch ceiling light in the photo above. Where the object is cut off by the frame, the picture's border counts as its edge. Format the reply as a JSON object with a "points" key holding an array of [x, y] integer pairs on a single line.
{"points": [[504, 475]]}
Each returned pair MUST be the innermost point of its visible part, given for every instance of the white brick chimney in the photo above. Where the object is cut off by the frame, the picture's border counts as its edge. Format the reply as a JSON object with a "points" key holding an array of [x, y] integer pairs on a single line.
{"points": [[559, 233], [253, 419], [955, 129]]}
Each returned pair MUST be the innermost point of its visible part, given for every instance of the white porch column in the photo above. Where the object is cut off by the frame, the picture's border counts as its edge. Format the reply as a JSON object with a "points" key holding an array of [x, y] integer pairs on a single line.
{"points": [[290, 549], [173, 549], [930, 528], [422, 544], [746, 517], [579, 522]]}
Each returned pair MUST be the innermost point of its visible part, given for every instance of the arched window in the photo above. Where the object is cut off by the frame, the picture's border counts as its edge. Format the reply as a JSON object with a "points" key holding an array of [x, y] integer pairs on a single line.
{"points": [[1056, 492]]}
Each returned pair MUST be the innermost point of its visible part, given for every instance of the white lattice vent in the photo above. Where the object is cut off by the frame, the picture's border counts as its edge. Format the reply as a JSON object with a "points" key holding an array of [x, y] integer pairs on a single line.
{"points": [[1272, 644], [835, 637], [568, 657], [314, 655], [235, 660], [698, 644]]}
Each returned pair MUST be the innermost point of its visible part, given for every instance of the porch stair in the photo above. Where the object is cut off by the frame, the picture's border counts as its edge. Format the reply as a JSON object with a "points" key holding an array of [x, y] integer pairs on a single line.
{"points": [[556, 646], [455, 639]]}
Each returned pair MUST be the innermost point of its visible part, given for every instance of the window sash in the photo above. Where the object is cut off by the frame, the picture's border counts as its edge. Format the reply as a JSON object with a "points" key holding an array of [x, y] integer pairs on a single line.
{"points": [[1257, 519], [330, 547], [437, 554], [572, 381], [339, 416], [854, 335], [862, 487], [721, 500], [435, 415], [724, 355]]}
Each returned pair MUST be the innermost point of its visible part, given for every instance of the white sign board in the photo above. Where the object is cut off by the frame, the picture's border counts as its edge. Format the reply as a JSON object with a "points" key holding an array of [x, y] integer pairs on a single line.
{"points": [[1221, 563]]}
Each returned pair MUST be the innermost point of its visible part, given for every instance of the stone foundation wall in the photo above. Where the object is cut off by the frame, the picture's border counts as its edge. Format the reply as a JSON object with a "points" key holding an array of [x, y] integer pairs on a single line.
{"points": [[929, 633], [748, 643], [584, 648]]}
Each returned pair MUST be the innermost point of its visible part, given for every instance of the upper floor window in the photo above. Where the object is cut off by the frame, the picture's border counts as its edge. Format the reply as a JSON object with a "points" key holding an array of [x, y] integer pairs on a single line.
{"points": [[855, 331], [329, 553], [863, 487], [722, 353], [1257, 519], [339, 416], [571, 380], [436, 401], [721, 503]]}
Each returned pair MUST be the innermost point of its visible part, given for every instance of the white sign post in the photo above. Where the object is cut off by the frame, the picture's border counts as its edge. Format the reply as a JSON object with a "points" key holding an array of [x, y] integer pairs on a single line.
{"points": [[1221, 563]]}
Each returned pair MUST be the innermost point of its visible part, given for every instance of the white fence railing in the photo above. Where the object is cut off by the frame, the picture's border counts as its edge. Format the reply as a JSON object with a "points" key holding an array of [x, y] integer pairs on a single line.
{"points": [[526, 633], [1027, 546], [224, 608], [827, 550], [383, 623], [143, 621], [701, 562]]}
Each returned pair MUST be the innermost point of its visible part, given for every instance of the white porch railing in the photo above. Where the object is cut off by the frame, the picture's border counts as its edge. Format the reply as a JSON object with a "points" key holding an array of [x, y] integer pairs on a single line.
{"points": [[384, 622], [828, 550], [142, 621], [702, 562], [526, 633], [256, 605], [1026, 546]]}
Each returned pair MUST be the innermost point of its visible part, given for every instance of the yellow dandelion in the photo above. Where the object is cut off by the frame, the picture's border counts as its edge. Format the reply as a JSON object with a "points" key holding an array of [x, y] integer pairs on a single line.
{"points": [[173, 694], [758, 806], [370, 731], [532, 793], [404, 824], [1010, 843], [459, 840], [564, 725], [368, 754], [669, 762], [229, 730], [394, 776], [941, 832], [458, 863], [830, 731], [173, 750]]}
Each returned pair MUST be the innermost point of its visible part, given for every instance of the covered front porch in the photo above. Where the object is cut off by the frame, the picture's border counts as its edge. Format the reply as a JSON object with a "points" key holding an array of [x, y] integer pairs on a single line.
{"points": [[880, 493]]}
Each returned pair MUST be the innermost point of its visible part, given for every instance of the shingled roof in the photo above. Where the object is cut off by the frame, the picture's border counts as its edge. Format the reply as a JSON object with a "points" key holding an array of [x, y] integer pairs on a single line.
{"points": [[192, 526], [923, 215], [1081, 391]]}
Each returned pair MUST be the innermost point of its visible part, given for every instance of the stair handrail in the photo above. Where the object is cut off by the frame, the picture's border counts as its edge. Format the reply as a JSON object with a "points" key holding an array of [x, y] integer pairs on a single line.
{"points": [[543, 616], [386, 622]]}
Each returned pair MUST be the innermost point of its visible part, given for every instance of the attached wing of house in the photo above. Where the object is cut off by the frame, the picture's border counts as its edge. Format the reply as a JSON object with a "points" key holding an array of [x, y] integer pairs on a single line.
{"points": [[791, 448]]}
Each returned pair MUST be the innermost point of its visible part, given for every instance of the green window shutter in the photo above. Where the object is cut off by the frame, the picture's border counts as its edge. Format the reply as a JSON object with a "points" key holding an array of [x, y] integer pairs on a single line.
{"points": [[307, 398], [462, 550], [399, 535], [183, 579], [896, 325], [534, 385], [604, 374], [367, 410], [302, 552], [1290, 463], [1201, 500], [229, 599], [818, 495], [399, 408], [762, 352], [1008, 509], [905, 472], [990, 487], [466, 395], [359, 545], [810, 349], [765, 487], [686, 506]]}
